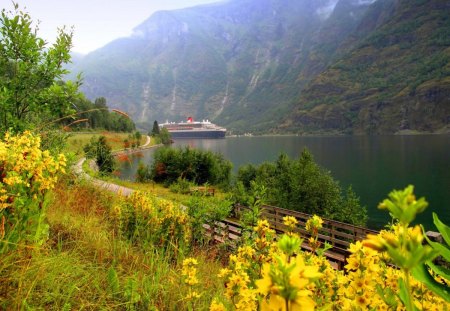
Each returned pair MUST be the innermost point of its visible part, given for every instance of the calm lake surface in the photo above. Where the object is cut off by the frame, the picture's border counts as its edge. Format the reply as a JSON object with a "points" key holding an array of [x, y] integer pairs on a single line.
{"points": [[373, 165]]}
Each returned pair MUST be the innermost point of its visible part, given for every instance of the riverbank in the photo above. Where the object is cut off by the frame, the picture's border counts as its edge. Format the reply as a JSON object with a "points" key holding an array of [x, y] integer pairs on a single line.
{"points": [[109, 185]]}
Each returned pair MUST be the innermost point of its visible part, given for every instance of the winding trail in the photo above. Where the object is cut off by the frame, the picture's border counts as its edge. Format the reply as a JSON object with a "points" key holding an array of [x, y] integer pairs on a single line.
{"points": [[78, 170], [109, 186]]}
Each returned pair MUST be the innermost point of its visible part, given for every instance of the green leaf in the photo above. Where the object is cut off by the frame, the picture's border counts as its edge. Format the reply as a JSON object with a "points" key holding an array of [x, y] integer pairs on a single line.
{"points": [[443, 229], [113, 281], [443, 250], [403, 294], [421, 274], [445, 273], [387, 295]]}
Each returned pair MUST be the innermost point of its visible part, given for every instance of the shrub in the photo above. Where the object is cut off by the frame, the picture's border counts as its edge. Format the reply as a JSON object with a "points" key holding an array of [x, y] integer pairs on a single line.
{"points": [[27, 173], [193, 165], [206, 211], [181, 186], [146, 220], [301, 185], [143, 173], [101, 152]]}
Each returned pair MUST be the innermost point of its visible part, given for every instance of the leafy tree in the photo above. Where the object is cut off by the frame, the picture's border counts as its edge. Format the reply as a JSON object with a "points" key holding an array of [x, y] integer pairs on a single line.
{"points": [[246, 174], [138, 136], [165, 136], [301, 185], [98, 116], [101, 152], [30, 72], [200, 167]]}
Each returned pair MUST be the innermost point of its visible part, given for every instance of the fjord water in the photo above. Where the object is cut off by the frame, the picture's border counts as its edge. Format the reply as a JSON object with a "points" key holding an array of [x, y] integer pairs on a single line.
{"points": [[373, 165]]}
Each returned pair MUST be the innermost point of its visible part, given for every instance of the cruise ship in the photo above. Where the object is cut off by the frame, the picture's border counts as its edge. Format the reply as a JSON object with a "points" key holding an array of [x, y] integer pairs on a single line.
{"points": [[194, 129]]}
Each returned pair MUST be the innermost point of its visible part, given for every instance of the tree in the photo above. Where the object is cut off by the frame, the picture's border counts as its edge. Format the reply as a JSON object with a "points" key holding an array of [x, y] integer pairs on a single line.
{"points": [[304, 186], [197, 166], [101, 152], [31, 72], [138, 136], [165, 136], [155, 129]]}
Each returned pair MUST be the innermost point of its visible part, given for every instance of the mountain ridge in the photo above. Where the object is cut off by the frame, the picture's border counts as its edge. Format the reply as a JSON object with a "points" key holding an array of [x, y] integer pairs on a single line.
{"points": [[252, 65]]}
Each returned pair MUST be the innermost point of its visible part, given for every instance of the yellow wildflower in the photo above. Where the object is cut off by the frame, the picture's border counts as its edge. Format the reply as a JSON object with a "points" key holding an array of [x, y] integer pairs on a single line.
{"points": [[290, 221], [216, 306]]}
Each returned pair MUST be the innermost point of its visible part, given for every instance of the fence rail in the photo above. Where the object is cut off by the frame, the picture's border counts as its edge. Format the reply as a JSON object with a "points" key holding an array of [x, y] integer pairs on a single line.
{"points": [[338, 234]]}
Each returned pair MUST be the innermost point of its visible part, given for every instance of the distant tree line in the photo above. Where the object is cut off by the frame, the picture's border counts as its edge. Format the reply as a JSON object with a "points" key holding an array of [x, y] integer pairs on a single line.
{"points": [[99, 116]]}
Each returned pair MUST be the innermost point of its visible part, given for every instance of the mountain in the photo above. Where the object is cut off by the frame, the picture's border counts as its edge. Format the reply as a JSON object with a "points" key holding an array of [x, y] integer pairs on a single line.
{"points": [[395, 76], [283, 66]]}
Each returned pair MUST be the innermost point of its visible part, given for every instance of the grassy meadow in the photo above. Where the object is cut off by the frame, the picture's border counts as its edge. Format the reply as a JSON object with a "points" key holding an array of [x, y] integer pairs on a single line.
{"points": [[86, 265], [77, 141]]}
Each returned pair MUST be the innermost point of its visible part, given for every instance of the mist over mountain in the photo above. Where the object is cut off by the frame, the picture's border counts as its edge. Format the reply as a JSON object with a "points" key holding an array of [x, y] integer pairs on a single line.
{"points": [[340, 66]]}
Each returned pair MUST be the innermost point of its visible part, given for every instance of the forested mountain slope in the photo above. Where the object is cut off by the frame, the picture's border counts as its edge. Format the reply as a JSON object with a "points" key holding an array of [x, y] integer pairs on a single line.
{"points": [[283, 66], [395, 78]]}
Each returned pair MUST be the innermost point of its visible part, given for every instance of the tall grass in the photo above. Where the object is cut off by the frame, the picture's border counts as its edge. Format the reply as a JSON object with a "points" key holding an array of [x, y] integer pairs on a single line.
{"points": [[85, 265]]}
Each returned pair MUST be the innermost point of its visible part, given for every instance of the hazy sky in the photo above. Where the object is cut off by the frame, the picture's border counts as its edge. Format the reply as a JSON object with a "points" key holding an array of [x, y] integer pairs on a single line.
{"points": [[96, 22]]}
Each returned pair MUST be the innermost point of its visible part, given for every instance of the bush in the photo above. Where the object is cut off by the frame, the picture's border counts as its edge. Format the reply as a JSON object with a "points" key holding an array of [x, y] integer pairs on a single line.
{"points": [[27, 173], [197, 166], [207, 211], [301, 185], [101, 152], [143, 173], [149, 221], [181, 186]]}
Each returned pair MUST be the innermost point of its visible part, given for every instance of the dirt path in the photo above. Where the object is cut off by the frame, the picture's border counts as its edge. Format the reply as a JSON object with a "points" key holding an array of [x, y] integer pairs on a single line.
{"points": [[78, 170]]}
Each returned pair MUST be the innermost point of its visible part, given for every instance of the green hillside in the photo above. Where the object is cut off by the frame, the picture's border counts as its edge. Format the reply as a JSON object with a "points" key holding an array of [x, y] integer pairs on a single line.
{"points": [[395, 79], [339, 66]]}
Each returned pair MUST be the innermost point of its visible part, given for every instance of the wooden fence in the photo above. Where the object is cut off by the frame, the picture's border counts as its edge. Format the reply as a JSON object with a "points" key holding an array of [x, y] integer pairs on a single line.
{"points": [[338, 234]]}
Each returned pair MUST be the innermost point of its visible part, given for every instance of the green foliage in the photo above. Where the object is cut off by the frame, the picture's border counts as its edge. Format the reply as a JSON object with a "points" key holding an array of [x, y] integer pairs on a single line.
{"points": [[30, 73], [134, 140], [206, 210], [155, 129], [86, 264], [403, 206], [193, 165], [169, 229], [99, 117], [55, 141], [143, 173], [27, 173], [427, 272], [101, 152], [165, 137], [302, 185], [181, 186], [256, 197], [113, 282]]}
